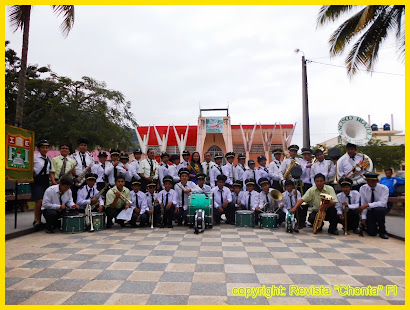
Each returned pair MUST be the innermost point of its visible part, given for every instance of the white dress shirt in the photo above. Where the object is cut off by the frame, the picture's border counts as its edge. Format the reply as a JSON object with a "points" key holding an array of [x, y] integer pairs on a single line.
{"points": [[288, 200], [172, 196], [127, 172], [162, 171], [215, 171], [205, 189], [354, 201], [325, 167], [262, 200], [263, 172], [135, 164], [145, 168], [183, 164], [151, 199], [205, 166], [51, 199], [250, 174], [226, 195], [39, 163], [238, 198], [228, 170], [189, 185], [83, 201], [173, 172], [142, 201], [99, 170], [273, 171], [306, 176], [78, 156], [381, 196], [109, 172], [285, 164], [254, 201], [239, 171], [345, 164]]}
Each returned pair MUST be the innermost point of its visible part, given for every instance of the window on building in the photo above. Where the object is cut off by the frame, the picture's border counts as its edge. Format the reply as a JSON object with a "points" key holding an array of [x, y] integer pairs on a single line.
{"points": [[214, 149]]}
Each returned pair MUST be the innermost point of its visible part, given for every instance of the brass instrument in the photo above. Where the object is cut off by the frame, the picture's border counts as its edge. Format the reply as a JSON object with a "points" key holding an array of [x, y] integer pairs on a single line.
{"points": [[123, 198], [321, 214], [292, 164], [89, 217], [276, 195], [325, 151], [363, 165], [81, 177], [100, 193]]}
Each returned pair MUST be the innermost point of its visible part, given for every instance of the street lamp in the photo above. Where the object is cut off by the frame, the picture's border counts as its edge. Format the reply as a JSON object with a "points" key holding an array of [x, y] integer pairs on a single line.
{"points": [[305, 106]]}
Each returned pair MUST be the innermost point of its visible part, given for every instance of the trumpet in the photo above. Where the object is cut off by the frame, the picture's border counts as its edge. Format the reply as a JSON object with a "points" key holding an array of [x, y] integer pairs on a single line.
{"points": [[321, 214], [123, 198], [89, 218]]}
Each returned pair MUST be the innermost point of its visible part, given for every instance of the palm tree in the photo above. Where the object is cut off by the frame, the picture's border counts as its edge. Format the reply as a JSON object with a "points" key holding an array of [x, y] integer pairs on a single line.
{"points": [[19, 16], [371, 26]]}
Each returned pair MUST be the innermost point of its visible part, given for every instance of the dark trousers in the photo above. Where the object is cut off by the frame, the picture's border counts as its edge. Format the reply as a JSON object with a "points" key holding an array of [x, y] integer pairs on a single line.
{"points": [[282, 216], [168, 215], [303, 209], [144, 219], [157, 214], [51, 216], [229, 212], [181, 216], [111, 214], [353, 219], [376, 221], [74, 190], [331, 216]]}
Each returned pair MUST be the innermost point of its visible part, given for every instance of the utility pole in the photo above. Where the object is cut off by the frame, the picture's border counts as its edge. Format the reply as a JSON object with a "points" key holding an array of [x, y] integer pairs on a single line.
{"points": [[305, 106]]}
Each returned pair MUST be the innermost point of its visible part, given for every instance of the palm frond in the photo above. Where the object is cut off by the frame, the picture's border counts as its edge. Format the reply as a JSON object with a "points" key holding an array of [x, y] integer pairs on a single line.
{"points": [[18, 15], [68, 14], [329, 13]]}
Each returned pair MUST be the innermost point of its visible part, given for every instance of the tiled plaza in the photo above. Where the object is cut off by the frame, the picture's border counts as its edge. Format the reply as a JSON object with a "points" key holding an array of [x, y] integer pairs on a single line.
{"points": [[175, 266]]}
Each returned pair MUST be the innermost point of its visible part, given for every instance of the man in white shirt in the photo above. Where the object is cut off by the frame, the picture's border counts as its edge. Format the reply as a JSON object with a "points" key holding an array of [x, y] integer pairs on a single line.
{"points": [[168, 201], [153, 203], [349, 199], [140, 212], [148, 169], [240, 168], [41, 173], [289, 199], [206, 189], [293, 152], [373, 199], [223, 202], [185, 160], [262, 169], [56, 200], [207, 166], [173, 168], [135, 164], [323, 166], [113, 169], [99, 169], [238, 196], [86, 195], [252, 199], [182, 189], [163, 169], [228, 168], [266, 202], [216, 170], [251, 173], [274, 169], [84, 162], [124, 158]]}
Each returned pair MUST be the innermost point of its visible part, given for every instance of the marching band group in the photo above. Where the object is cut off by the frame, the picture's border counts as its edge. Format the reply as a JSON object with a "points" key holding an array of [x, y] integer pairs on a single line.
{"points": [[159, 192]]}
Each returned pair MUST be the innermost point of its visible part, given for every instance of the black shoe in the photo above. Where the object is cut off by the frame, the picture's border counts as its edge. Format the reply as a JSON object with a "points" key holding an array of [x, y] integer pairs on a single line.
{"points": [[37, 227], [356, 231], [50, 231], [319, 229], [186, 224], [296, 230], [108, 226], [161, 225], [383, 236], [333, 232], [179, 224], [134, 225], [171, 226]]}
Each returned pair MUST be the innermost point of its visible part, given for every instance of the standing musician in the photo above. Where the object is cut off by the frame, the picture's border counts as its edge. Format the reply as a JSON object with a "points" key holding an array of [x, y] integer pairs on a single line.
{"points": [[274, 167], [86, 194], [373, 199], [135, 164], [185, 160], [201, 184], [41, 171], [351, 163], [252, 198], [163, 169], [251, 173], [140, 212], [293, 152], [350, 199], [84, 162], [228, 168], [238, 196], [148, 169], [62, 165], [124, 158], [289, 199], [182, 189], [207, 166], [312, 197], [113, 169], [223, 202], [194, 167], [240, 168], [152, 202], [57, 198], [263, 170], [306, 165], [168, 201], [173, 168], [99, 169], [117, 199], [323, 166], [216, 170]]}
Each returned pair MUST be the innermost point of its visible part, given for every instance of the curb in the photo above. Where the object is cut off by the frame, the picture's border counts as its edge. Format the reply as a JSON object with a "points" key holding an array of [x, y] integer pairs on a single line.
{"points": [[20, 233]]}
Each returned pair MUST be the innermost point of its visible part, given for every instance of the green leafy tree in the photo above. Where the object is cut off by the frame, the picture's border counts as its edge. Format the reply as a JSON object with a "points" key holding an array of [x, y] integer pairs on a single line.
{"points": [[19, 16], [371, 25]]}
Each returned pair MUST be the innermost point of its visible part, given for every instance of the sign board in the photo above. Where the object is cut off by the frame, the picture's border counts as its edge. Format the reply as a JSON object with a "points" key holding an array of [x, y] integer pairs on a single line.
{"points": [[19, 154], [214, 124]]}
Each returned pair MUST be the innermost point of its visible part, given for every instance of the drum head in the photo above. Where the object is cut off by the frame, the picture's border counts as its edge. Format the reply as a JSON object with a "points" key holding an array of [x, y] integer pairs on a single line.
{"points": [[244, 212], [296, 172], [268, 215]]}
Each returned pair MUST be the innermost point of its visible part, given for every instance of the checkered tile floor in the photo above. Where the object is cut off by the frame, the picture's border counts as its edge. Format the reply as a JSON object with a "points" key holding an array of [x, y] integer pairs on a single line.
{"points": [[175, 266]]}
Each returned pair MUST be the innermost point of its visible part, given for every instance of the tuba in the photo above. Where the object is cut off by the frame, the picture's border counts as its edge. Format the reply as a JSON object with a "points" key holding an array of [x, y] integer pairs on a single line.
{"points": [[287, 172], [276, 195], [321, 214]]}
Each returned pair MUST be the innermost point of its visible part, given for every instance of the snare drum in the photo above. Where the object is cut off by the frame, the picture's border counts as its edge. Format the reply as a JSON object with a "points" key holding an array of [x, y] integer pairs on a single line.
{"points": [[73, 223], [198, 201], [269, 220], [98, 220], [244, 218]]}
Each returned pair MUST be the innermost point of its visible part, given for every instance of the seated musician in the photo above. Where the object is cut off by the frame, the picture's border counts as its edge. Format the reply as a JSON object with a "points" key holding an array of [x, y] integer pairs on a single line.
{"points": [[312, 197], [56, 200], [288, 199], [238, 196], [62, 165], [182, 189], [350, 199], [251, 198], [201, 183], [266, 202], [373, 199], [116, 201], [86, 195], [223, 202], [152, 202], [141, 213], [168, 200]]}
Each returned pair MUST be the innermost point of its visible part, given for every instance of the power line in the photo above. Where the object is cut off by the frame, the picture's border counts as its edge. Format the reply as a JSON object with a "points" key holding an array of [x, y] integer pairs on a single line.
{"points": [[321, 63]]}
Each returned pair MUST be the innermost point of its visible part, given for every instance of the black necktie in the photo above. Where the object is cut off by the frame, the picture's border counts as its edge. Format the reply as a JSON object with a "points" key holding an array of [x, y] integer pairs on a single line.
{"points": [[151, 167], [136, 200], [166, 201], [89, 194], [290, 199], [183, 196], [372, 200], [62, 171], [152, 199], [222, 197], [249, 201], [83, 160], [352, 157], [61, 200], [254, 176], [348, 198], [267, 198], [44, 170], [115, 173]]}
